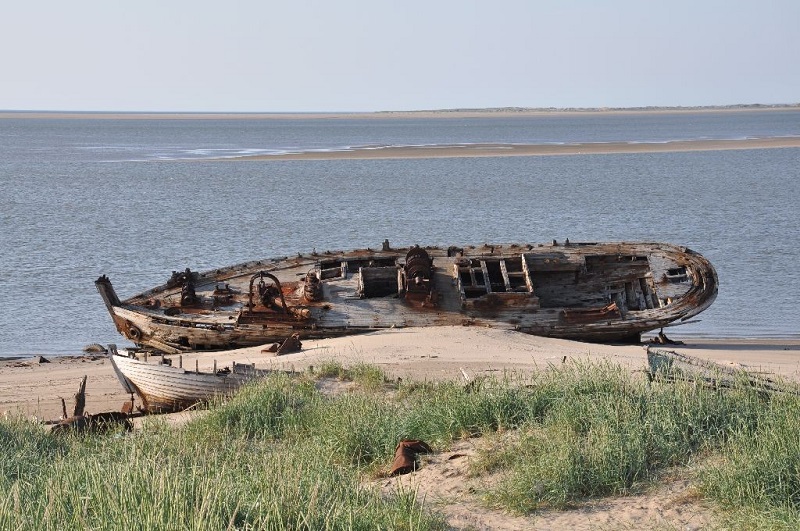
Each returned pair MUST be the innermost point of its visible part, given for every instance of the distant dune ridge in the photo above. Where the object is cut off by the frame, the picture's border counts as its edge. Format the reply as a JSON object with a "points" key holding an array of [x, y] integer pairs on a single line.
{"points": [[432, 113]]}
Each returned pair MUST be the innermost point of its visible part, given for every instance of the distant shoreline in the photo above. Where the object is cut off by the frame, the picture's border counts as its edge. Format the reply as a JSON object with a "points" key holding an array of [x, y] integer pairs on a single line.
{"points": [[505, 112], [523, 150]]}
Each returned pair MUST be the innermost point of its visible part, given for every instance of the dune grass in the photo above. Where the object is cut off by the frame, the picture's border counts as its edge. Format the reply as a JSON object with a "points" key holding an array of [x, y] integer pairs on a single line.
{"points": [[281, 455], [757, 477], [369, 377], [596, 431]]}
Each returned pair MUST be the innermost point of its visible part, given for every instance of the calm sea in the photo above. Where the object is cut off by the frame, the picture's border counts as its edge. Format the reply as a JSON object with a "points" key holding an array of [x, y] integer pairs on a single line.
{"points": [[137, 199]]}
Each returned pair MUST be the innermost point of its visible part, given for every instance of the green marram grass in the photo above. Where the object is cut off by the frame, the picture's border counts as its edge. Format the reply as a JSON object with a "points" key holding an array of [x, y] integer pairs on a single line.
{"points": [[282, 455], [367, 376], [596, 431]]}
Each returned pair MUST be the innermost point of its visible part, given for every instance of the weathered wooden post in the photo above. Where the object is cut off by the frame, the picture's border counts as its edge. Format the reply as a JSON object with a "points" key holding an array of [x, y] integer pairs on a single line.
{"points": [[80, 399]]}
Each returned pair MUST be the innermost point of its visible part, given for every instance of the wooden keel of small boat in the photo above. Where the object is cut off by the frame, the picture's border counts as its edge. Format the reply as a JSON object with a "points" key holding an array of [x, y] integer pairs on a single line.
{"points": [[163, 388]]}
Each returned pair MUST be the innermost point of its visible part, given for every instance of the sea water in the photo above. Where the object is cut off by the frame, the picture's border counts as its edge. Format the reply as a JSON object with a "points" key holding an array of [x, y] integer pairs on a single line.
{"points": [[138, 199]]}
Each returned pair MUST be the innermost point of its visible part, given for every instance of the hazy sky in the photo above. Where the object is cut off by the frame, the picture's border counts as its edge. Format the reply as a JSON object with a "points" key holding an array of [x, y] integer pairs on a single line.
{"points": [[371, 55]]}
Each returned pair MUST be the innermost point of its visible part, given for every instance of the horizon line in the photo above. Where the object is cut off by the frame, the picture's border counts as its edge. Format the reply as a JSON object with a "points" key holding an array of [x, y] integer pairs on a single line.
{"points": [[477, 110]]}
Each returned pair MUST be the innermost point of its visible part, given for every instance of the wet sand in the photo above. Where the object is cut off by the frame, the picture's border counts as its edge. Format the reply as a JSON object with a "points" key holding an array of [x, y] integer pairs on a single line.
{"points": [[528, 150]]}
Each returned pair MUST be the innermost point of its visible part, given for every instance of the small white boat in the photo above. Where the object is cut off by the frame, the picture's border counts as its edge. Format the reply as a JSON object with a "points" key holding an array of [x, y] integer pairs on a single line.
{"points": [[164, 388]]}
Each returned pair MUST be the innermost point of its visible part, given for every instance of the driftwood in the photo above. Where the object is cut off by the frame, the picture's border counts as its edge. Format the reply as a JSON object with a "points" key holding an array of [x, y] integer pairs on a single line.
{"points": [[99, 423], [80, 402], [81, 422], [80, 399]]}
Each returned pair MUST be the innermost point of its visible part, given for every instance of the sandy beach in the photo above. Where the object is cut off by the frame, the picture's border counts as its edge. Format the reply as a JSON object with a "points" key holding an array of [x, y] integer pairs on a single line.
{"points": [[35, 389], [32, 388]]}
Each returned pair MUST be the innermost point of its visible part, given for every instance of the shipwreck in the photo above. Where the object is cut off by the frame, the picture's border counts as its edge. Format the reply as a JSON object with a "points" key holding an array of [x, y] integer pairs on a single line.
{"points": [[600, 292]]}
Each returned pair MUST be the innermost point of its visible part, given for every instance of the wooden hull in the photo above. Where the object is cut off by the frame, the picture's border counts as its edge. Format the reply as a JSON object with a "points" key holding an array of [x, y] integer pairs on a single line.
{"points": [[674, 366], [603, 292], [163, 388], [671, 365]]}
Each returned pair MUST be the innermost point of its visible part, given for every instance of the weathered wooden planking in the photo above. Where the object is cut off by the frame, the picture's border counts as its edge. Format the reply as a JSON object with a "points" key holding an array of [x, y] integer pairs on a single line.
{"points": [[527, 287]]}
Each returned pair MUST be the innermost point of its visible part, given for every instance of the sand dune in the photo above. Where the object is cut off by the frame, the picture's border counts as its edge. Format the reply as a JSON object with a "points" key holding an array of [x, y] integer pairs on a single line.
{"points": [[442, 353]]}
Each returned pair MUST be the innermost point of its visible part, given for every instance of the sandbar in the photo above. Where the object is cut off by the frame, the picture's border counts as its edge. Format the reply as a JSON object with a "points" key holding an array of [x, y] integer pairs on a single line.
{"points": [[526, 150], [457, 150]]}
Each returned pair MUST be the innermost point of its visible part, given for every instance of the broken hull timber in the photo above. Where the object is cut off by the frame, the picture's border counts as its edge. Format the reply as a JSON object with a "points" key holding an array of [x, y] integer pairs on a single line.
{"points": [[600, 292], [163, 388]]}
